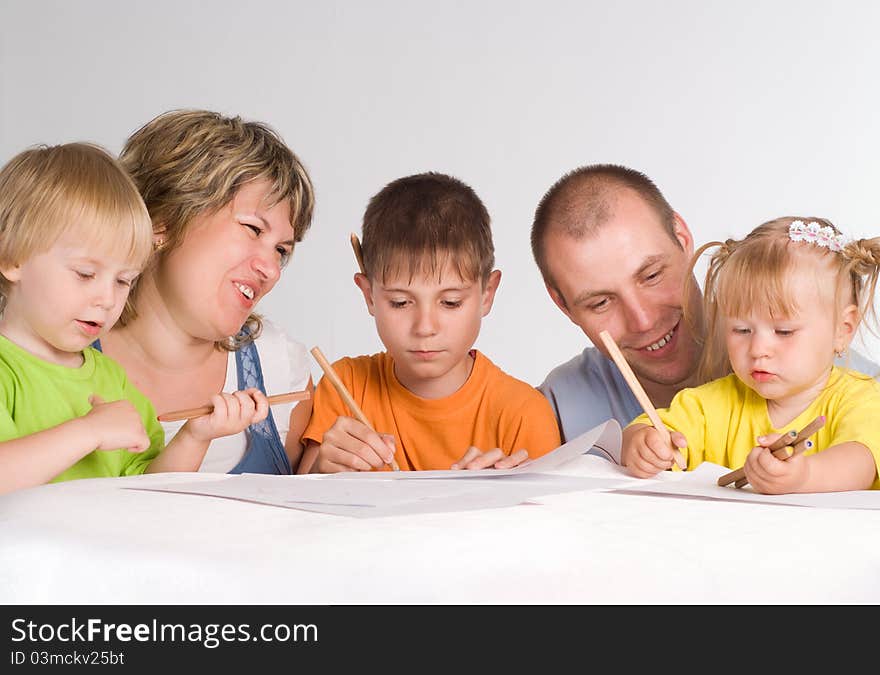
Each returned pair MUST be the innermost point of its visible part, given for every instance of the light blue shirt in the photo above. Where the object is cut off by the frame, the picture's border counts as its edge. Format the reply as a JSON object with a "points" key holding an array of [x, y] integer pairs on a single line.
{"points": [[589, 389]]}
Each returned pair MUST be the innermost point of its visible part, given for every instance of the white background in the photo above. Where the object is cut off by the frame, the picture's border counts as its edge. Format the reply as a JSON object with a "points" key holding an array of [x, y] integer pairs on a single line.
{"points": [[740, 112]]}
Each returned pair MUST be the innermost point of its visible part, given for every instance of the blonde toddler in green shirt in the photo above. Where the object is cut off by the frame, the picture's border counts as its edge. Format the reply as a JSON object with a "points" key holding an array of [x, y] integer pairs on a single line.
{"points": [[74, 236]]}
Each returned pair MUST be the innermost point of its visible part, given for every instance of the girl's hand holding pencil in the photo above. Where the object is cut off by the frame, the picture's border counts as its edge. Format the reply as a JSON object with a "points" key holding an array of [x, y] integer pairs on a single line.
{"points": [[798, 441], [665, 444], [646, 451], [776, 471]]}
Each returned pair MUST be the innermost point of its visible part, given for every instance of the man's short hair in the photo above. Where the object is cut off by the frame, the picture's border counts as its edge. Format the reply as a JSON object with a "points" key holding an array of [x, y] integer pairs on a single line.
{"points": [[583, 200], [416, 224]]}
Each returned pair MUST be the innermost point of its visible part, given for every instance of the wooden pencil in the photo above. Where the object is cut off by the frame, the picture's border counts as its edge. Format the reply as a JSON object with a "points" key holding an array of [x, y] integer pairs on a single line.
{"points": [[189, 413], [641, 395], [783, 455], [356, 246], [779, 449], [327, 367], [780, 444]]}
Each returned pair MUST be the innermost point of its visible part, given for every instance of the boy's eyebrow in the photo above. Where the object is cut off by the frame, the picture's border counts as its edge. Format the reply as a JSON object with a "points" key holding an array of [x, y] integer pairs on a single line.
{"points": [[90, 260], [583, 296], [97, 262], [407, 289]]}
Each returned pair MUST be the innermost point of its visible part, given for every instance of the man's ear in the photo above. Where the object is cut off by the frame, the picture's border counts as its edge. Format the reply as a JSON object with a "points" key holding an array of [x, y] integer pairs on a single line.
{"points": [[363, 282], [683, 234], [489, 290], [559, 300], [846, 327]]}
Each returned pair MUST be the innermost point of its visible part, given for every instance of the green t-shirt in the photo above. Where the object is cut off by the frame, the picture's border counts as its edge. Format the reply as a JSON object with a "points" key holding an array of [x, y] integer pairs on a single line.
{"points": [[36, 395]]}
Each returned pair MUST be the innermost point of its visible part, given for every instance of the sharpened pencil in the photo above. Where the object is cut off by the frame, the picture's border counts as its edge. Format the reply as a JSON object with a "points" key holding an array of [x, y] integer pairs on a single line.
{"points": [[641, 395], [189, 413], [337, 383], [781, 443], [782, 454]]}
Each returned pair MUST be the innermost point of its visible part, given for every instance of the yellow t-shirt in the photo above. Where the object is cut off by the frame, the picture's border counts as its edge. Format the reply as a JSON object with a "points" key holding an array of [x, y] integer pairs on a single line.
{"points": [[491, 410], [721, 419]]}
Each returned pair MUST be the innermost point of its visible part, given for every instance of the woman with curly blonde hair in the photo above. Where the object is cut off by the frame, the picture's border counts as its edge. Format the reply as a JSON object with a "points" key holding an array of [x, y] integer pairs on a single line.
{"points": [[228, 201]]}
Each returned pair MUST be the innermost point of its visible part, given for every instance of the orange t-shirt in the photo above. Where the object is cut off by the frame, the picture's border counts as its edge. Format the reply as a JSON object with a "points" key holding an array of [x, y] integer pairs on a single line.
{"points": [[491, 410]]}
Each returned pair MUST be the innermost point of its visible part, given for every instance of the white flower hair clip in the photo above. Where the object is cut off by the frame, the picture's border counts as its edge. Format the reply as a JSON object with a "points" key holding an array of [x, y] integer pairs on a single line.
{"points": [[812, 233]]}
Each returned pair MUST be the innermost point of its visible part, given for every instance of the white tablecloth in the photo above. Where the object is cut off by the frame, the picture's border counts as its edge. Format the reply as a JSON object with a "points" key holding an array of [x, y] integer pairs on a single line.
{"points": [[91, 542]]}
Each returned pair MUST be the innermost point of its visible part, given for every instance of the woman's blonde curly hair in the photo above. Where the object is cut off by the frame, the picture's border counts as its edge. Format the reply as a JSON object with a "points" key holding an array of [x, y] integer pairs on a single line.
{"points": [[188, 162]]}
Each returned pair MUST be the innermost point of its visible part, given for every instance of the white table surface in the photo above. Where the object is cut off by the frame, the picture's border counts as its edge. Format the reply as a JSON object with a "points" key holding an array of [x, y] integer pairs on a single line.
{"points": [[91, 542]]}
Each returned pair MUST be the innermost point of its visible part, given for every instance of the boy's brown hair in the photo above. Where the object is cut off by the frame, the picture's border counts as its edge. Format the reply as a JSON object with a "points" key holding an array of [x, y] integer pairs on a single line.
{"points": [[416, 224]]}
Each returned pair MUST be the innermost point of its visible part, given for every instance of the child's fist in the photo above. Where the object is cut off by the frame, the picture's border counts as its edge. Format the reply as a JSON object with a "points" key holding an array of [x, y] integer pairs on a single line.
{"points": [[116, 425], [645, 453]]}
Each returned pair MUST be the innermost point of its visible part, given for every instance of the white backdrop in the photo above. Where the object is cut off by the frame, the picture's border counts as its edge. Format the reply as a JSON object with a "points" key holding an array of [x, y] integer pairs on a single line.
{"points": [[739, 111]]}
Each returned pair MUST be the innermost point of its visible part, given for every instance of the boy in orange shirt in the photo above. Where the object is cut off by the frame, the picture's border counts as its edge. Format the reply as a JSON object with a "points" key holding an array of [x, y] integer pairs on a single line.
{"points": [[428, 257]]}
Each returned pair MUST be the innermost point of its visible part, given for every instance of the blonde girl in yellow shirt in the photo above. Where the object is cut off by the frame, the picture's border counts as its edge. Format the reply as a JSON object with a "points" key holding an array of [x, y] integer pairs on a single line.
{"points": [[779, 305]]}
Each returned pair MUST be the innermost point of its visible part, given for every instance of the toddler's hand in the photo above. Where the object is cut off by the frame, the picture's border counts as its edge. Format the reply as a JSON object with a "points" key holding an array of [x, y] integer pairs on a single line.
{"points": [[232, 413], [644, 452], [475, 458], [770, 475], [116, 425]]}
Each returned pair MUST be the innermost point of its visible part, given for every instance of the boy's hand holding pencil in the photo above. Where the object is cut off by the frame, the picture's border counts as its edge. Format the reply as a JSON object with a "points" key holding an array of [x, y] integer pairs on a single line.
{"points": [[351, 443]]}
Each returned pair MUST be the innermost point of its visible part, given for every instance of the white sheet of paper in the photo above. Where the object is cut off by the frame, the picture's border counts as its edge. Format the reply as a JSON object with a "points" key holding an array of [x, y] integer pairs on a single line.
{"points": [[386, 494], [703, 482], [371, 499], [606, 435]]}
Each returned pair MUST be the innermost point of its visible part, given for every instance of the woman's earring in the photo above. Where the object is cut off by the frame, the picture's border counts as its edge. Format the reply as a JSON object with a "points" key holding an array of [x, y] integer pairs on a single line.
{"points": [[158, 243], [840, 353]]}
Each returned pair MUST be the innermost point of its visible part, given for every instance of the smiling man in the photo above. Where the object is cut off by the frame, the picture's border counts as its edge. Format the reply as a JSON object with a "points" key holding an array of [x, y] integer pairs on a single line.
{"points": [[614, 256]]}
